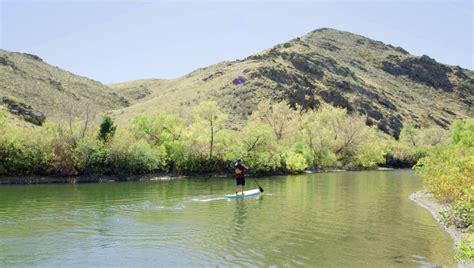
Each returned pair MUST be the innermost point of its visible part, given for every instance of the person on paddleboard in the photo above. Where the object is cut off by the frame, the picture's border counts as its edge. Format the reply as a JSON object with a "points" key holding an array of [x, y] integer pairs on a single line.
{"points": [[240, 176]]}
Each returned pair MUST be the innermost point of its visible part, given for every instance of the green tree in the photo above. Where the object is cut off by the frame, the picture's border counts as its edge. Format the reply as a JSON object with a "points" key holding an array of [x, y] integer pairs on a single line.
{"points": [[259, 147], [159, 128], [107, 129], [448, 171], [279, 116], [409, 134], [208, 116], [433, 136], [332, 134], [462, 131]]}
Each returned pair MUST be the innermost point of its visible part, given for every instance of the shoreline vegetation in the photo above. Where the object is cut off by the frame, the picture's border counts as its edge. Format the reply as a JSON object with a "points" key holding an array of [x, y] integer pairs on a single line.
{"points": [[276, 139], [448, 178], [147, 177]]}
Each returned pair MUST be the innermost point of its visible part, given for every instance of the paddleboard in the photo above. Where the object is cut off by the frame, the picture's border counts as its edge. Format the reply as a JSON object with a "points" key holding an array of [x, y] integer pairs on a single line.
{"points": [[247, 193]]}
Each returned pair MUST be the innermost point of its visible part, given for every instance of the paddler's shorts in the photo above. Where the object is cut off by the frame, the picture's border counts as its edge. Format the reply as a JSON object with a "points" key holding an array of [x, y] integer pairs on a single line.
{"points": [[240, 181]]}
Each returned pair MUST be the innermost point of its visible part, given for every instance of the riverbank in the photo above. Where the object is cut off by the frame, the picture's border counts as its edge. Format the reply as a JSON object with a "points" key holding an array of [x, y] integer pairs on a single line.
{"points": [[150, 177], [85, 179], [427, 201]]}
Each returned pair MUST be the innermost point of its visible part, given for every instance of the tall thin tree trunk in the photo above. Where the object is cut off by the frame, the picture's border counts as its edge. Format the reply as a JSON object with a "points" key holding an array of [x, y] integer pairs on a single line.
{"points": [[212, 140]]}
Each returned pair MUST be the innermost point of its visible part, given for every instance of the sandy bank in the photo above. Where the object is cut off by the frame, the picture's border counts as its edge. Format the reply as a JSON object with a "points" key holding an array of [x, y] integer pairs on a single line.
{"points": [[427, 201]]}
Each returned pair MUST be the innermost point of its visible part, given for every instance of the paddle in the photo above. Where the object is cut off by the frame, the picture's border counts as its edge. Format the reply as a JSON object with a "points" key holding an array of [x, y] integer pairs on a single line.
{"points": [[259, 187]]}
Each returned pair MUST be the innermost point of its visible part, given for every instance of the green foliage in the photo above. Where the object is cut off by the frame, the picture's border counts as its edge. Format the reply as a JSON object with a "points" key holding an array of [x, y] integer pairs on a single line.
{"points": [[144, 159], [417, 137], [465, 250], [326, 158], [258, 146], [462, 131], [208, 121], [295, 161], [107, 129], [93, 156], [303, 150], [335, 137], [276, 138], [3, 118], [159, 128], [409, 134], [278, 116], [370, 154], [447, 171], [24, 152], [461, 213]]}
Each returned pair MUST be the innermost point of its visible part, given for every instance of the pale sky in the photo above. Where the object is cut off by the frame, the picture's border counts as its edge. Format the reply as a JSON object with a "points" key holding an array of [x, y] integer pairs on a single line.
{"points": [[116, 41]]}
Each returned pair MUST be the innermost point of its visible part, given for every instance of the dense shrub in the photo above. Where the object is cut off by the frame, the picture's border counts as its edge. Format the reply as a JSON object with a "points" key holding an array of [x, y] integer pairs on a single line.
{"points": [[448, 170], [25, 152], [448, 173], [276, 138], [295, 161], [369, 154]]}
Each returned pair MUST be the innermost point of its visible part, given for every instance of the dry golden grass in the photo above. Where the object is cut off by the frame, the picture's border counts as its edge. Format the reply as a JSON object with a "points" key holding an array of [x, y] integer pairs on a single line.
{"points": [[51, 90], [414, 102], [324, 66]]}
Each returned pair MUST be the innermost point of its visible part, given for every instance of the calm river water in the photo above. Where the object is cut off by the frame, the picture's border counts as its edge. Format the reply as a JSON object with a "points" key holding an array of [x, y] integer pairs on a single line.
{"points": [[346, 219]]}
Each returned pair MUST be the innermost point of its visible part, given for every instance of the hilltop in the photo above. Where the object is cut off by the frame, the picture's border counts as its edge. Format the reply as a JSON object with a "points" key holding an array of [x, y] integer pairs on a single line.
{"points": [[365, 76]]}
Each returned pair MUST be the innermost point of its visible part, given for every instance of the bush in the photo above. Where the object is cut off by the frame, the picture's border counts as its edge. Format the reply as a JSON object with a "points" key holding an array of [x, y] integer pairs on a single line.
{"points": [[462, 131], [25, 152], [404, 155], [465, 250], [141, 158], [369, 154], [107, 129], [325, 157], [295, 161], [94, 157], [460, 214], [448, 171]]}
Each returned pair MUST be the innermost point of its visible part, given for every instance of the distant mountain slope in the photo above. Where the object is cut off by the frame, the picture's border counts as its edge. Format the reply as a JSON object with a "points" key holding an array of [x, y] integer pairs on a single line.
{"points": [[51, 90], [384, 82]]}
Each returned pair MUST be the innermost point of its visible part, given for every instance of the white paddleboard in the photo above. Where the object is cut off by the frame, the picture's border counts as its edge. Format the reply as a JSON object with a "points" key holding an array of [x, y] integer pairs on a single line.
{"points": [[247, 193]]}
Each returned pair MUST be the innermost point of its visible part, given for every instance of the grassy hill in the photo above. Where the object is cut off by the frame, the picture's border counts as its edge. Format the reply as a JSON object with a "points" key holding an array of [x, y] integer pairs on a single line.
{"points": [[384, 82], [51, 90]]}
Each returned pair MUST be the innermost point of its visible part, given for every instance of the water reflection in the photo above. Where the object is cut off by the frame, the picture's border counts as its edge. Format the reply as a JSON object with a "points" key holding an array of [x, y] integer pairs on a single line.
{"points": [[240, 215], [349, 219]]}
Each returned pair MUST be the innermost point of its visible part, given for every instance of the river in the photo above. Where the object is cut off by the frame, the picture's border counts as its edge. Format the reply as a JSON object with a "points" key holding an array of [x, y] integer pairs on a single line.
{"points": [[343, 219]]}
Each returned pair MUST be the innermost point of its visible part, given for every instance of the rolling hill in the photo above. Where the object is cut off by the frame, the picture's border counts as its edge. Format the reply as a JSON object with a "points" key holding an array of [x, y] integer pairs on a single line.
{"points": [[384, 82], [51, 90]]}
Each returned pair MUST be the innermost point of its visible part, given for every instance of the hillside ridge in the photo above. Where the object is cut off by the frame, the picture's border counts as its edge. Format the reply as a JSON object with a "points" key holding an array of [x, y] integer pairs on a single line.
{"points": [[384, 82], [55, 92]]}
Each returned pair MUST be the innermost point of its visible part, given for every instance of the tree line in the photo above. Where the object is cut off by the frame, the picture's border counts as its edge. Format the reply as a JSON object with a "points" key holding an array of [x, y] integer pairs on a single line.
{"points": [[275, 139]]}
